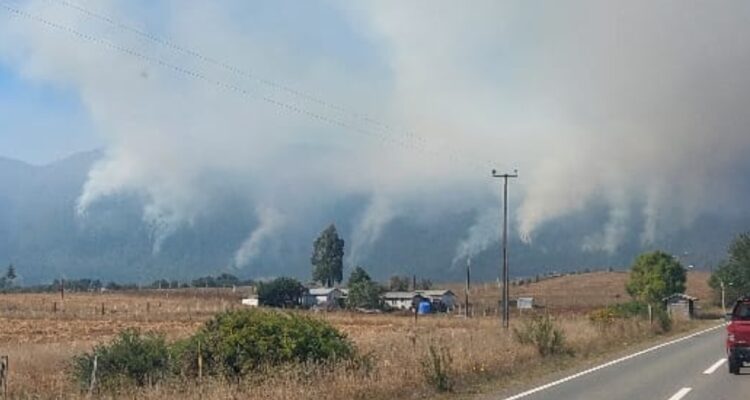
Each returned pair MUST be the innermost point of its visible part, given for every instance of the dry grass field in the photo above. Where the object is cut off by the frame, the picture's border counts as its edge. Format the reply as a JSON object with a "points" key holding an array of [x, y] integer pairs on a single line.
{"points": [[579, 293], [40, 333]]}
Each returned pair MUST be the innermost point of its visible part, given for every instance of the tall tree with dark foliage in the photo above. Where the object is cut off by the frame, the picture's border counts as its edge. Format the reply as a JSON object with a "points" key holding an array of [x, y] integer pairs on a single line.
{"points": [[328, 257]]}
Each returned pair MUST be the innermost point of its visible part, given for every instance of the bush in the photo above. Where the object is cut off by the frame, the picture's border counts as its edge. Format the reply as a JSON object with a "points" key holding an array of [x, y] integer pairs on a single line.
{"points": [[605, 316], [663, 318], [236, 343], [131, 359], [541, 332], [231, 345], [365, 295], [280, 292], [436, 368]]}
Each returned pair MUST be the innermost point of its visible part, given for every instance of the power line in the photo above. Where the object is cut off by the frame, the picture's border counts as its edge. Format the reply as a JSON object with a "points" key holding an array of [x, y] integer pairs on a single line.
{"points": [[453, 153], [215, 62], [215, 82]]}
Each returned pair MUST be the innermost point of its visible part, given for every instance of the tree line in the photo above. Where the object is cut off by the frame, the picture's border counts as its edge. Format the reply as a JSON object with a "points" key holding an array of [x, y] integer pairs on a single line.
{"points": [[7, 284]]}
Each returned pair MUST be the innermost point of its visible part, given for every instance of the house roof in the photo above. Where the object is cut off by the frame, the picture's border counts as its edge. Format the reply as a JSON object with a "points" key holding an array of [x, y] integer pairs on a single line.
{"points": [[399, 295], [321, 291], [437, 292], [681, 296], [422, 293]]}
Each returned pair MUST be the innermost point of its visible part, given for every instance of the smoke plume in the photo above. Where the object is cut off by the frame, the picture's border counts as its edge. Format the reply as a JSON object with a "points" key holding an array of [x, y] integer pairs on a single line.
{"points": [[636, 105], [270, 221]]}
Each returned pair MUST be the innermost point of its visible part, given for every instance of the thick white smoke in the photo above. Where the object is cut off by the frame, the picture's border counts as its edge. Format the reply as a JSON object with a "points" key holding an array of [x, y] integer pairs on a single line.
{"points": [[638, 105], [270, 222], [370, 226], [483, 233]]}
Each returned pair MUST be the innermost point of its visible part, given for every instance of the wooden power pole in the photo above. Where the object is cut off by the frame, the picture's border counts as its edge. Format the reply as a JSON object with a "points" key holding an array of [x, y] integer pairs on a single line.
{"points": [[505, 296]]}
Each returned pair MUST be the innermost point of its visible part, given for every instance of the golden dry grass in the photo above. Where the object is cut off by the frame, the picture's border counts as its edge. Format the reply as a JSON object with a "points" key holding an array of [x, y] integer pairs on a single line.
{"points": [[41, 342], [581, 292]]}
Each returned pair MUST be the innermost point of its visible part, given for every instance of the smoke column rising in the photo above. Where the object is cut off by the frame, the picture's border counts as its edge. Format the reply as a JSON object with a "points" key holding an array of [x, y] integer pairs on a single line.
{"points": [[637, 105]]}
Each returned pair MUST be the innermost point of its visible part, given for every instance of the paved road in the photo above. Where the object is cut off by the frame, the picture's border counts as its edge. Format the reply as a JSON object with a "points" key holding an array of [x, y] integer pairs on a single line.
{"points": [[687, 369]]}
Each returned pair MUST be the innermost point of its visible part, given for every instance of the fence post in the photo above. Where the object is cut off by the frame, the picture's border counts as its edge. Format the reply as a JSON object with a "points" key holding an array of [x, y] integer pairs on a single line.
{"points": [[92, 384], [650, 315], [4, 375], [200, 362]]}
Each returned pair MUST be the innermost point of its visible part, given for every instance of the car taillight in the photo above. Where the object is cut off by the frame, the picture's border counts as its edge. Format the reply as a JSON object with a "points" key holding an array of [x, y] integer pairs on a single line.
{"points": [[731, 337]]}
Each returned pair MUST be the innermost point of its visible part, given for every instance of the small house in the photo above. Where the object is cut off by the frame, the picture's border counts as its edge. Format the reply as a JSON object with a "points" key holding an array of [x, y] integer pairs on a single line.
{"points": [[322, 297], [401, 300], [442, 300], [250, 302], [680, 305]]}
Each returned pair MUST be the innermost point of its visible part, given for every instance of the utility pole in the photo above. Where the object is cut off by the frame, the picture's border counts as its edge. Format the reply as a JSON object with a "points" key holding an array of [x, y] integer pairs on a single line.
{"points": [[723, 299], [723, 295], [505, 294], [466, 289]]}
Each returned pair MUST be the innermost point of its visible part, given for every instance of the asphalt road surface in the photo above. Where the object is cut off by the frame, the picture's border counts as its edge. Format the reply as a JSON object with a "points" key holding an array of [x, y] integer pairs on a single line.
{"points": [[688, 368]]}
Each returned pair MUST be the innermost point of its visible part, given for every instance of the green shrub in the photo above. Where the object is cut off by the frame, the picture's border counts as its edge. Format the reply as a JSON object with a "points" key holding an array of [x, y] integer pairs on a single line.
{"points": [[236, 343], [541, 332], [663, 318], [231, 345], [604, 317], [365, 295], [280, 292], [436, 368], [131, 359]]}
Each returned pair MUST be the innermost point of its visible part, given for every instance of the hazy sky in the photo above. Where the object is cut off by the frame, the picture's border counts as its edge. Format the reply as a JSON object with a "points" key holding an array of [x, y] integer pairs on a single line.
{"points": [[41, 122], [412, 104]]}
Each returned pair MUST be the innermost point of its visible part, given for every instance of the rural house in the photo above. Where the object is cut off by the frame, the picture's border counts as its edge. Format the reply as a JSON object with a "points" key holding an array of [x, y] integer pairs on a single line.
{"points": [[442, 300], [322, 297], [680, 305], [401, 300], [251, 301]]}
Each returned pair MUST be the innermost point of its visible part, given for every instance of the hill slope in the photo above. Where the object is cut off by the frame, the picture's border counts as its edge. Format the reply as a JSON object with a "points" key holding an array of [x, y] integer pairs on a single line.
{"points": [[579, 291]]}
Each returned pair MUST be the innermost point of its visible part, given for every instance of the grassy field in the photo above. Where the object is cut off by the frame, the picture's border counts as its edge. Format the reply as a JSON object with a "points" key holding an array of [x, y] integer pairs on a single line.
{"points": [[40, 333], [579, 293]]}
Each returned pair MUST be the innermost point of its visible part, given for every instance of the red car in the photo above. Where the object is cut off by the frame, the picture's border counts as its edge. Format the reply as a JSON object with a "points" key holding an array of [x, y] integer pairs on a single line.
{"points": [[738, 335]]}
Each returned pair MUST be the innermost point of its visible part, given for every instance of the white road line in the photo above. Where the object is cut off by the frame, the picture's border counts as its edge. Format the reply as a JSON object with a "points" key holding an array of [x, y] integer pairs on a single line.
{"points": [[681, 393], [610, 363], [714, 367]]}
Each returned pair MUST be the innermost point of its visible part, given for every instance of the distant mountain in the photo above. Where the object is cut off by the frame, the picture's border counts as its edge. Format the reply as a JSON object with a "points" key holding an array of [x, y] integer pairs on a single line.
{"points": [[42, 235]]}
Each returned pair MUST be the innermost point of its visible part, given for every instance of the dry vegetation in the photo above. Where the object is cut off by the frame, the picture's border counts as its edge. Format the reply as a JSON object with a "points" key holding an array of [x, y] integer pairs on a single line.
{"points": [[578, 293], [40, 342]]}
